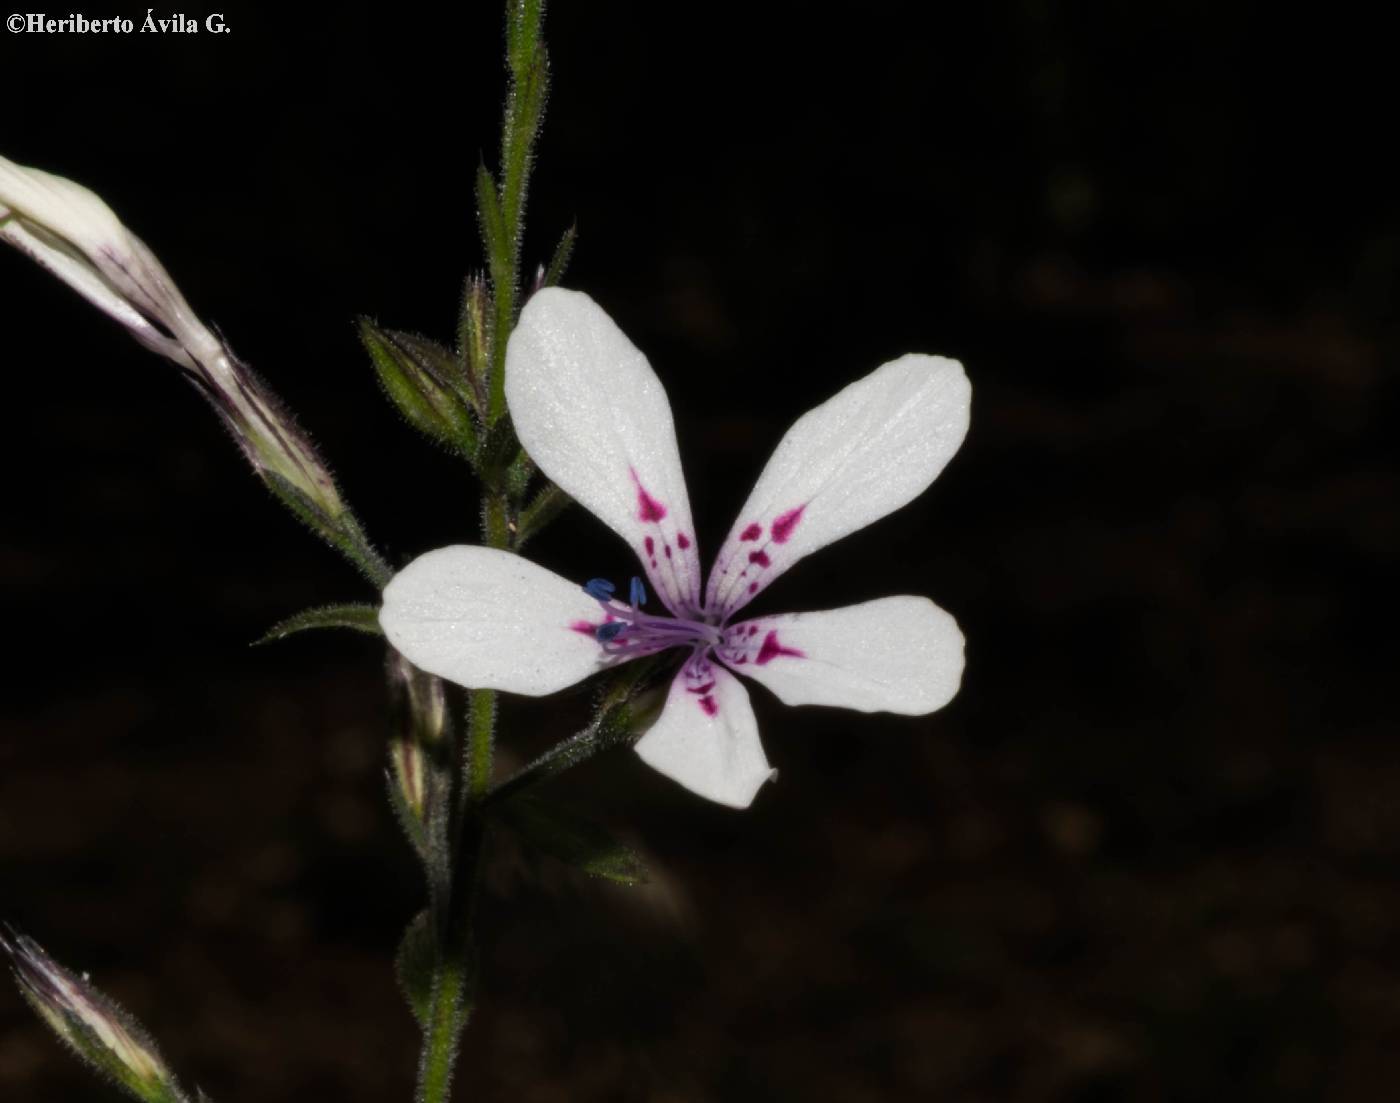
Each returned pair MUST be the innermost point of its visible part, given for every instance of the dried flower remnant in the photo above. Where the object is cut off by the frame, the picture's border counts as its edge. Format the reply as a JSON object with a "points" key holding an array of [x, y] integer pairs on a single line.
{"points": [[593, 415], [74, 234]]}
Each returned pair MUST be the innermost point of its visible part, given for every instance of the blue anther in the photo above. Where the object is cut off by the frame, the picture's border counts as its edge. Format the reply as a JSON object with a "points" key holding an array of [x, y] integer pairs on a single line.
{"points": [[639, 593], [599, 589], [608, 632]]}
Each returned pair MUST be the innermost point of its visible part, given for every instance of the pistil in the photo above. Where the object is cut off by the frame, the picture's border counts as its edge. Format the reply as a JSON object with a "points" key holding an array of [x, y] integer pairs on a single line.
{"points": [[628, 632]]}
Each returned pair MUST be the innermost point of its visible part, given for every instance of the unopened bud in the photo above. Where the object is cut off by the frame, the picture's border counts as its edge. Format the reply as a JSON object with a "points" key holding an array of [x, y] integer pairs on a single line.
{"points": [[419, 777], [93, 1026], [475, 336], [76, 236], [426, 383]]}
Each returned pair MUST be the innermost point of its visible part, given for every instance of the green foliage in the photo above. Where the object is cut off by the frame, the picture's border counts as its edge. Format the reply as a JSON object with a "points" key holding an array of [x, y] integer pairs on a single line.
{"points": [[544, 508], [415, 963], [341, 531], [356, 616], [571, 839], [426, 382], [563, 253]]}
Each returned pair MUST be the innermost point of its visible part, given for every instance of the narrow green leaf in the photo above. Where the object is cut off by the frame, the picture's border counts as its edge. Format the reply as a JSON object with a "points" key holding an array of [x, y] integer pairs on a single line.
{"points": [[415, 964], [354, 615], [563, 252], [498, 241], [571, 839], [493, 227], [523, 21], [543, 509], [424, 381]]}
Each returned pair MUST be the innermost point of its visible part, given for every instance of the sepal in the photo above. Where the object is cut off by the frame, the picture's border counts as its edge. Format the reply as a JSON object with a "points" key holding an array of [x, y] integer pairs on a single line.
{"points": [[357, 616], [426, 383], [93, 1026]]}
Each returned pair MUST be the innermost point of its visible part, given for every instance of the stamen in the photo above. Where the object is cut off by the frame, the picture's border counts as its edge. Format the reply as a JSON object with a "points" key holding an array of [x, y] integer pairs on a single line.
{"points": [[627, 631]]}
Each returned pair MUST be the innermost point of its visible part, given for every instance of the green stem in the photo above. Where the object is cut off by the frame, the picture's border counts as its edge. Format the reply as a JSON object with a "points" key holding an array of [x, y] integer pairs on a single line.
{"points": [[445, 1021], [502, 216], [451, 1005], [480, 743]]}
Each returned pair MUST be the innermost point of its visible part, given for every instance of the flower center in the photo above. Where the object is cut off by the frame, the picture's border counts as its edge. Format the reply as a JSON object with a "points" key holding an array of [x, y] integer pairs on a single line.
{"points": [[627, 631]]}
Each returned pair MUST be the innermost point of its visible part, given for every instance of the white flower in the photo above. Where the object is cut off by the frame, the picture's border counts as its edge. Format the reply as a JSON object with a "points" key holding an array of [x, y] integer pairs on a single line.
{"points": [[590, 410]]}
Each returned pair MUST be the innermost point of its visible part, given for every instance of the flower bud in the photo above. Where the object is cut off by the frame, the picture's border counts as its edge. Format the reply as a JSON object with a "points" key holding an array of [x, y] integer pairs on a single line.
{"points": [[92, 1025], [425, 383], [419, 780], [76, 236]]}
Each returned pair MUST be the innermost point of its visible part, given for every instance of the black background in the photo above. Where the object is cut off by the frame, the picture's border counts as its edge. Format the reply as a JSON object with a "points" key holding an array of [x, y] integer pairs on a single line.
{"points": [[1149, 852]]}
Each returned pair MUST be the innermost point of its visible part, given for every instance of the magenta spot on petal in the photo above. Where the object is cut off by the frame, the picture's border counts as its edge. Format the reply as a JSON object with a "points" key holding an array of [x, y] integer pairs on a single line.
{"points": [[650, 546], [753, 587], [753, 630], [583, 627], [741, 660], [701, 689], [783, 526], [759, 557], [683, 540], [708, 704], [648, 508], [771, 649], [753, 532], [668, 551]]}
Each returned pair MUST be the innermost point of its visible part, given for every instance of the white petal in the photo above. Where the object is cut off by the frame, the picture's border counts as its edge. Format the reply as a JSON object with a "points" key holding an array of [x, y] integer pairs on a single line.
{"points": [[862, 454], [76, 236], [64, 208], [707, 738], [491, 620], [590, 410], [72, 270], [895, 654]]}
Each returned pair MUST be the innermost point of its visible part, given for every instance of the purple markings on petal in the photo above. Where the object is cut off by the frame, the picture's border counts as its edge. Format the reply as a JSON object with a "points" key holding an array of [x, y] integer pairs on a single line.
{"points": [[668, 551], [583, 627], [683, 540], [753, 532], [650, 546], [783, 526], [708, 704], [648, 508], [771, 649], [701, 689], [759, 557]]}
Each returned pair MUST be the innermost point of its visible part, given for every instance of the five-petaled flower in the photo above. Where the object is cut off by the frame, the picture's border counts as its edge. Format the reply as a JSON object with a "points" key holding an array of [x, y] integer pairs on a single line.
{"points": [[591, 412]]}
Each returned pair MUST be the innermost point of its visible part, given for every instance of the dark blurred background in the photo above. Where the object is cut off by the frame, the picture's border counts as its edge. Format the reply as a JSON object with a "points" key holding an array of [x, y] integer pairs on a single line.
{"points": [[1152, 850]]}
